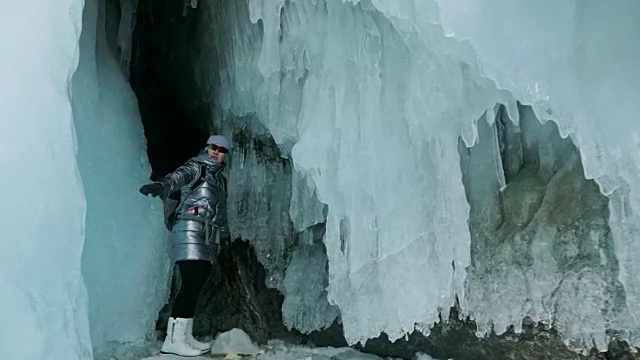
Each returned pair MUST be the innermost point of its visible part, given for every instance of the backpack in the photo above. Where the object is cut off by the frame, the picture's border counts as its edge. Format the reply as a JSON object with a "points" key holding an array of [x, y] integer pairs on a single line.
{"points": [[173, 201]]}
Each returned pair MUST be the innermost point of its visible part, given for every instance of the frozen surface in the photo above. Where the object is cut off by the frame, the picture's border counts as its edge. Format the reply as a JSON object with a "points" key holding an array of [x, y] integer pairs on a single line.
{"points": [[236, 345], [42, 295], [279, 351], [124, 260], [369, 98]]}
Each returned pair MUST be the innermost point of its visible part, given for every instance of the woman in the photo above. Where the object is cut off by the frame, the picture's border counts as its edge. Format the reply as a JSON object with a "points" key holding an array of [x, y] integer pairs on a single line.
{"points": [[201, 210]]}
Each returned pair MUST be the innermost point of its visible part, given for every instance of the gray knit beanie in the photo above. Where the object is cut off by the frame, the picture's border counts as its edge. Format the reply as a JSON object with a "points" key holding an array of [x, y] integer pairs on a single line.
{"points": [[221, 141]]}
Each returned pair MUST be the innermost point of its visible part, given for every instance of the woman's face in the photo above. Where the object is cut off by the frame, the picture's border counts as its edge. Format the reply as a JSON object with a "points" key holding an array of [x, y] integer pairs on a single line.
{"points": [[217, 153]]}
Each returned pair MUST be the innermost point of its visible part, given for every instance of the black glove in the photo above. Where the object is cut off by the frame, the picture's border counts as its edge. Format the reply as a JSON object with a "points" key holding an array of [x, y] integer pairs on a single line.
{"points": [[153, 189]]}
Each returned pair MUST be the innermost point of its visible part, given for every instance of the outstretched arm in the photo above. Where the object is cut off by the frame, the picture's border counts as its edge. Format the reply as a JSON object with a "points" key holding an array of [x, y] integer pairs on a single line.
{"points": [[182, 176]]}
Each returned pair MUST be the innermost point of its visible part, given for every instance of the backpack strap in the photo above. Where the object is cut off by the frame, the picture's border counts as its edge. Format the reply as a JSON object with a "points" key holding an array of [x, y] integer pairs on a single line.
{"points": [[201, 178]]}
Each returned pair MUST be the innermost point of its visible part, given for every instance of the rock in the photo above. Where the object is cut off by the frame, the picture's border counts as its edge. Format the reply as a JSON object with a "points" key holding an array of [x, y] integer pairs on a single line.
{"points": [[234, 341], [175, 357]]}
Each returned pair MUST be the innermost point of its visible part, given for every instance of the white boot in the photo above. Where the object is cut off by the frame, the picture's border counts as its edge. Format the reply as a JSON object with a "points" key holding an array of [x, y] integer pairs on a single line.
{"points": [[203, 347], [176, 343]]}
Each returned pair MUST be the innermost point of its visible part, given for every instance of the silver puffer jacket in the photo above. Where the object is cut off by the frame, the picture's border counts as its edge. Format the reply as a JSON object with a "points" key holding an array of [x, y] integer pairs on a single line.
{"points": [[202, 211]]}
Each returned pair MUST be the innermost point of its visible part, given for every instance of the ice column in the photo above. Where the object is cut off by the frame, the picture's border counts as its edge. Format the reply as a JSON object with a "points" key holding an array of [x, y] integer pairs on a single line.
{"points": [[124, 261], [42, 295]]}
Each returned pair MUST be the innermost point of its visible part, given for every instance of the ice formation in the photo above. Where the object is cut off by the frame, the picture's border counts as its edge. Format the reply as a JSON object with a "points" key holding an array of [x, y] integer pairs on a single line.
{"points": [[73, 153], [124, 261], [541, 244], [369, 98], [574, 63], [42, 294], [336, 106]]}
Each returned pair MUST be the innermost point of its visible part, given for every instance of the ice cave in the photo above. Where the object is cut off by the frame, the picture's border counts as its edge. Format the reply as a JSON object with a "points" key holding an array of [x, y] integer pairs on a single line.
{"points": [[411, 179]]}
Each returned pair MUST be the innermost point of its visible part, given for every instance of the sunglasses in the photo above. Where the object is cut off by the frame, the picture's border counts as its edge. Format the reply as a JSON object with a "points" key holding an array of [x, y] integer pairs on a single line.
{"points": [[218, 148]]}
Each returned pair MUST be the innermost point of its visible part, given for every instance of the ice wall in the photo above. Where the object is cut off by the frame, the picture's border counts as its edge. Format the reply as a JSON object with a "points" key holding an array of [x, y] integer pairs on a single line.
{"points": [[259, 206], [124, 260], [387, 167], [369, 98], [541, 245], [42, 295], [575, 62]]}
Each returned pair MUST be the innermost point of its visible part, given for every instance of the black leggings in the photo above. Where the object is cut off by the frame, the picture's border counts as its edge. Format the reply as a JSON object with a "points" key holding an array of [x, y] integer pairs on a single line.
{"points": [[193, 273]]}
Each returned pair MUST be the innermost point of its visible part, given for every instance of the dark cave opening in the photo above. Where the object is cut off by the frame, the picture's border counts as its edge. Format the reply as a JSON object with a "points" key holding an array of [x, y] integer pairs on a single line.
{"points": [[177, 120], [174, 131]]}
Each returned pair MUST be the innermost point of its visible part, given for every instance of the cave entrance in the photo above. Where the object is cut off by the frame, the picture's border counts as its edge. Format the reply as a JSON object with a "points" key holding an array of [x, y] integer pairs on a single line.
{"points": [[175, 125], [178, 116]]}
